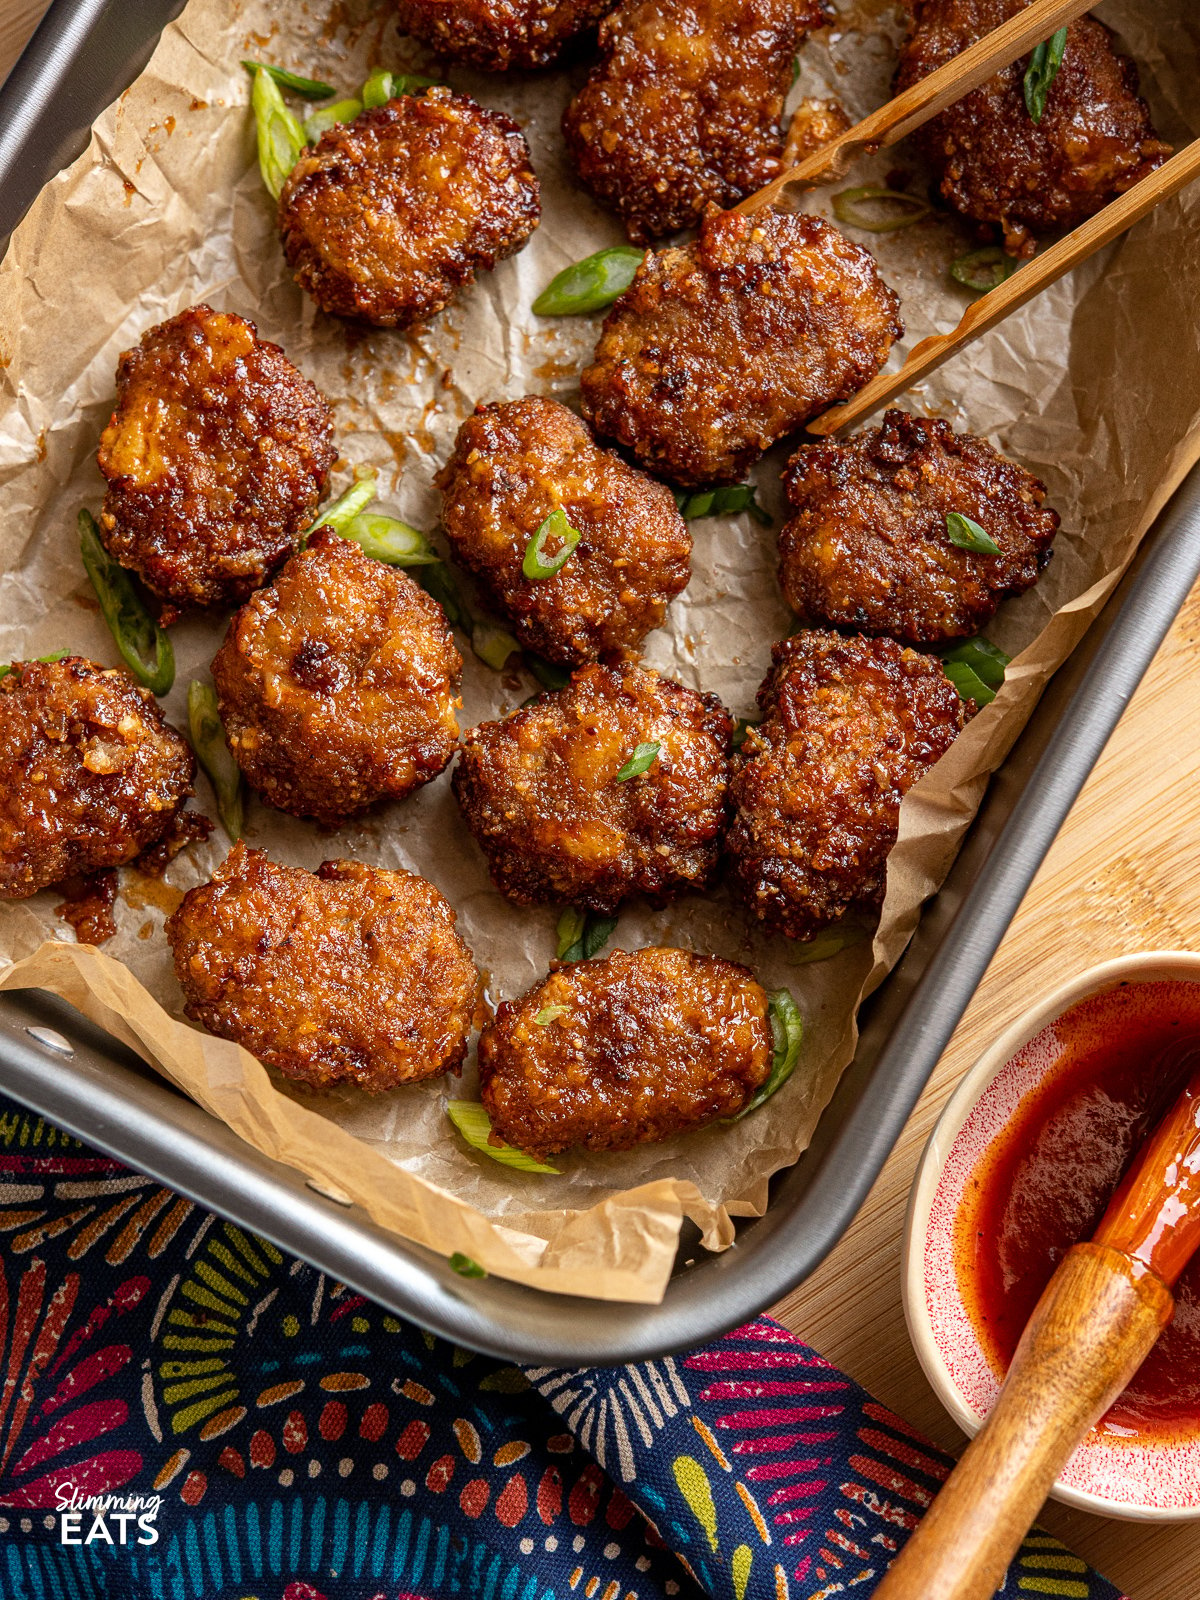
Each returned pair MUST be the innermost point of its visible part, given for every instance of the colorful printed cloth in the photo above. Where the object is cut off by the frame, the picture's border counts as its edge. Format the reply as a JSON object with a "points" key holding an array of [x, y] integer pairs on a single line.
{"points": [[187, 1414]]}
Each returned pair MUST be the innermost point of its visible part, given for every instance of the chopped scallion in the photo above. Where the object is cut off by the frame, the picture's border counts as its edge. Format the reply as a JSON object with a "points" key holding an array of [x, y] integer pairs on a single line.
{"points": [[466, 1266], [725, 501], [473, 1122], [589, 285], [326, 117], [548, 1014], [983, 269], [280, 135], [879, 210], [540, 563], [642, 759], [55, 655], [826, 944], [306, 88], [208, 741], [390, 540]]}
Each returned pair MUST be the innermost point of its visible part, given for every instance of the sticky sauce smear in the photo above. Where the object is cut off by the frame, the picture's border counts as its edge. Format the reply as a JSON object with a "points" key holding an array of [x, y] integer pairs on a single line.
{"points": [[1112, 1067]]}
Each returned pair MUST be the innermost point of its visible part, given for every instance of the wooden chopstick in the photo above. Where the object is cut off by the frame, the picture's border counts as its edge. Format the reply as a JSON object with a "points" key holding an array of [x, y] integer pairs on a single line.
{"points": [[1014, 292], [924, 99]]}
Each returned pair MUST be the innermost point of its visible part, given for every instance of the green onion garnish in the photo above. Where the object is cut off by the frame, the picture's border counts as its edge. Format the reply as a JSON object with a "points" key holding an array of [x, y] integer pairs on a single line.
{"points": [[383, 86], [968, 535], [582, 934], [306, 88], [473, 1122], [537, 563], [589, 285], [494, 645], [1042, 71], [466, 1266], [983, 269], [787, 1029], [642, 759], [548, 1013], [281, 137], [326, 117], [726, 501], [548, 673], [213, 753], [390, 540], [829, 942], [352, 502], [986, 660], [55, 655], [860, 208], [144, 646]]}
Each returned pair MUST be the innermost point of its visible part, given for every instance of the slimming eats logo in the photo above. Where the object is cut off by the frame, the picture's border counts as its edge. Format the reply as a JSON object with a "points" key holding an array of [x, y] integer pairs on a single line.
{"points": [[106, 1518]]}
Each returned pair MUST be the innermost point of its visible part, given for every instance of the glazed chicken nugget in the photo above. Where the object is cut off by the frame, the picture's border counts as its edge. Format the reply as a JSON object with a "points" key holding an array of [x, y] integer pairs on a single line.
{"points": [[625, 1051], [349, 974], [496, 35], [92, 774], [337, 685], [217, 456], [515, 463], [542, 792], [993, 162], [387, 216], [868, 546], [720, 348], [848, 727], [683, 108]]}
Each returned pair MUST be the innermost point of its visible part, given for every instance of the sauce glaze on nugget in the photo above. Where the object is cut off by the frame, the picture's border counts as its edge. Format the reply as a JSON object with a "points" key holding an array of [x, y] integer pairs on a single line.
{"points": [[515, 462], [683, 108], [848, 727], [867, 546], [993, 162], [350, 974], [539, 790], [92, 775], [337, 685], [217, 456], [387, 216], [646, 1045], [722, 346], [499, 35]]}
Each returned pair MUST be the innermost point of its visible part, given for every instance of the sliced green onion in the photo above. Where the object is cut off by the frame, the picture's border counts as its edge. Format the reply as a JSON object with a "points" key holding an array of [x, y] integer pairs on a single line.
{"points": [[537, 564], [983, 269], [340, 513], [826, 944], [787, 1029], [968, 535], [389, 540], [642, 759], [55, 655], [383, 86], [1042, 71], [437, 580], [740, 729], [473, 1122], [306, 88], [466, 1266], [582, 934], [969, 684], [281, 137], [548, 673], [326, 117], [986, 660], [494, 645], [548, 1013], [725, 501], [860, 208], [591, 284], [144, 646], [214, 755]]}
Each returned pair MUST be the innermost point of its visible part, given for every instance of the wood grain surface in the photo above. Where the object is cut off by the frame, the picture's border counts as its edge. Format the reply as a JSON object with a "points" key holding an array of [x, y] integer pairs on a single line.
{"points": [[1122, 876]]}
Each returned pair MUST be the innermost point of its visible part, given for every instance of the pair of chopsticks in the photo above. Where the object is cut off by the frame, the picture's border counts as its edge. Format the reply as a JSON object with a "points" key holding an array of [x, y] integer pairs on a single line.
{"points": [[907, 112]]}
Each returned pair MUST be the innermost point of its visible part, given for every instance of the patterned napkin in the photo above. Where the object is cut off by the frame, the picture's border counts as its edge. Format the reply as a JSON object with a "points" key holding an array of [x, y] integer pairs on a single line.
{"points": [[187, 1414]]}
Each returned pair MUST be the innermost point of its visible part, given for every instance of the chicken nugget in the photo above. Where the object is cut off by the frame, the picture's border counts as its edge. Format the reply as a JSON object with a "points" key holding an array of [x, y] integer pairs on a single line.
{"points": [[624, 1051], [499, 35], [848, 727], [516, 462], [349, 974]]}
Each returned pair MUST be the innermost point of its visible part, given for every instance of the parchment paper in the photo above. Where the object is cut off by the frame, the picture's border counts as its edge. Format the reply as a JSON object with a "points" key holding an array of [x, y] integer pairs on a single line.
{"points": [[1095, 387]]}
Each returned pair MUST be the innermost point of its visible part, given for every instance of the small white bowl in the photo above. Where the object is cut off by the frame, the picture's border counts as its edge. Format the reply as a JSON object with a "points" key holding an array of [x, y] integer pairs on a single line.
{"points": [[1134, 1480]]}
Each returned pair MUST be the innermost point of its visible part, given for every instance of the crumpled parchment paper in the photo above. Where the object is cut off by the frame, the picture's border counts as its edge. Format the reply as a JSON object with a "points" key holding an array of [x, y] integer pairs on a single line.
{"points": [[1095, 387]]}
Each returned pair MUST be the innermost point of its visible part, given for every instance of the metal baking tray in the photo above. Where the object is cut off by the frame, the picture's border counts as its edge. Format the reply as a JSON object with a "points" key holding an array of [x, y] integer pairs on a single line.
{"points": [[85, 53]]}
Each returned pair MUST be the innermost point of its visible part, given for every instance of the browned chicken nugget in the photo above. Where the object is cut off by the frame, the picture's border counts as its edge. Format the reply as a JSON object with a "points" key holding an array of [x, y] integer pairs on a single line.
{"points": [[720, 348], [91, 772], [868, 546], [496, 35], [683, 108], [388, 215], [625, 1051], [540, 790], [848, 727], [349, 974], [337, 684], [217, 456], [993, 162], [517, 461]]}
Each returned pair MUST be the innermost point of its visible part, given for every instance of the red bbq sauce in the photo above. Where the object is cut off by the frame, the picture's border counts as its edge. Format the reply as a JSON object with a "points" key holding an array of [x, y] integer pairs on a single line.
{"points": [[1115, 1064]]}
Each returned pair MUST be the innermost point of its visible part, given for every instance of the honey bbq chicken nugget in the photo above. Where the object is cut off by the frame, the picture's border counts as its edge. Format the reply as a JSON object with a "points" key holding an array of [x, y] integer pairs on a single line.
{"points": [[543, 791], [217, 456], [848, 727], [868, 545], [496, 35], [92, 775], [625, 1051], [349, 974], [683, 108], [387, 216], [517, 462], [338, 684], [721, 347], [993, 162]]}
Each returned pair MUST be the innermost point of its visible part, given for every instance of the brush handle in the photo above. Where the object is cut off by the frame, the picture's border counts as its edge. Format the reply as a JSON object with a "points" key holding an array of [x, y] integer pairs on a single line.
{"points": [[1092, 1328]]}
